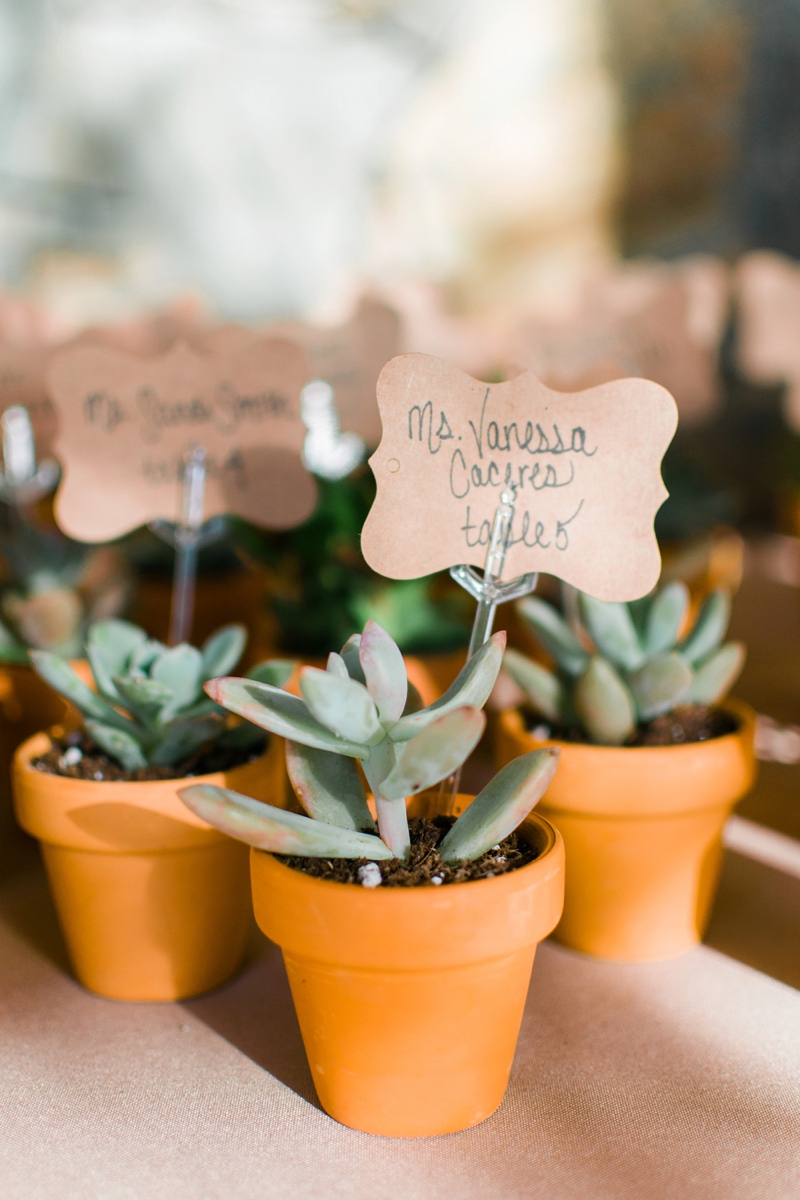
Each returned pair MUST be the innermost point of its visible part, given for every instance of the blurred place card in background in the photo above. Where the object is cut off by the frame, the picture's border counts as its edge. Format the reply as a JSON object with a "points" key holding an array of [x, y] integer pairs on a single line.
{"points": [[585, 466], [23, 371], [126, 425]]}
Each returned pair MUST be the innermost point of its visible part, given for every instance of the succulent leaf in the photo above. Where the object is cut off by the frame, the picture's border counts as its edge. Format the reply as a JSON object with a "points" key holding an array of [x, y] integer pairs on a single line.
{"points": [[351, 659], [613, 631], [709, 628], [335, 665], [109, 646], [145, 696], [659, 685], [183, 738], [555, 634], [717, 675], [604, 704], [434, 753], [181, 669], [473, 687], [665, 617], [60, 675], [384, 672], [342, 705], [501, 807], [145, 655], [545, 690], [280, 713], [329, 787], [274, 671], [118, 745], [222, 651], [276, 830]]}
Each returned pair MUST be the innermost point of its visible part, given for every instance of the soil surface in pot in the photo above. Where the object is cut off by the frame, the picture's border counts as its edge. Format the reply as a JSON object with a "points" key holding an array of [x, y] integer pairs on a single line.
{"points": [[686, 723], [76, 756], [423, 866]]}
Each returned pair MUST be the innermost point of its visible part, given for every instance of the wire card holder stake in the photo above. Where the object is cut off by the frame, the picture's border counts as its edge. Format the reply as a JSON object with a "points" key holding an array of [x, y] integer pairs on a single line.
{"points": [[23, 481], [489, 591], [187, 536]]}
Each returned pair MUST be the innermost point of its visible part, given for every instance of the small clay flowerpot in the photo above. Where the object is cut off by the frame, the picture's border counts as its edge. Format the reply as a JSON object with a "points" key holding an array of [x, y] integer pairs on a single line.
{"points": [[642, 829], [410, 999], [154, 903], [27, 705]]}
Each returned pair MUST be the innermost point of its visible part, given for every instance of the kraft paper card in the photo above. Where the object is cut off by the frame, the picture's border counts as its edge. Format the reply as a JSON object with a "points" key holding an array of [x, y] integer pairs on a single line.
{"points": [[585, 467], [126, 425]]}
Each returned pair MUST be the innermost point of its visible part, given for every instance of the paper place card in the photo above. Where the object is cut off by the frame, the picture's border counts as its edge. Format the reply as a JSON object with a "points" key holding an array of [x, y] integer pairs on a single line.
{"points": [[585, 467], [768, 345], [127, 423]]}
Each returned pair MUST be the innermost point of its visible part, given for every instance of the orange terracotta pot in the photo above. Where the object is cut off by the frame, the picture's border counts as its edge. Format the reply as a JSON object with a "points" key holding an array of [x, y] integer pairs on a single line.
{"points": [[410, 999], [154, 903], [27, 705], [642, 828]]}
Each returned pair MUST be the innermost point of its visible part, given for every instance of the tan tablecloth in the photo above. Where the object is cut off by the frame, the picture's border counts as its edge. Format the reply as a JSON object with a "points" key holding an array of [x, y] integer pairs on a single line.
{"points": [[676, 1079]]}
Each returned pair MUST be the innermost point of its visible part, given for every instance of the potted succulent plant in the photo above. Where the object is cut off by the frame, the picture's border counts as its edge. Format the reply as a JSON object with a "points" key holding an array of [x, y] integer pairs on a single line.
{"points": [[408, 944], [653, 760], [153, 902]]}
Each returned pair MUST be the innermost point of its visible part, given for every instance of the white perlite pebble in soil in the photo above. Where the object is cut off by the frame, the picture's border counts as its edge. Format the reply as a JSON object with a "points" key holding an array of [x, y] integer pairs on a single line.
{"points": [[70, 757], [369, 875]]}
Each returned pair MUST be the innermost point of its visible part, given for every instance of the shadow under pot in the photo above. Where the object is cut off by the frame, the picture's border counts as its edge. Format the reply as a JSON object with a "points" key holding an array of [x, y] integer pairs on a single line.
{"points": [[642, 829], [153, 903], [410, 999]]}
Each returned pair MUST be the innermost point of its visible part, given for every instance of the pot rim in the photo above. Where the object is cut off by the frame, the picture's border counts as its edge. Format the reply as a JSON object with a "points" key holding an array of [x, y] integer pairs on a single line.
{"points": [[740, 709], [55, 809], [551, 835]]}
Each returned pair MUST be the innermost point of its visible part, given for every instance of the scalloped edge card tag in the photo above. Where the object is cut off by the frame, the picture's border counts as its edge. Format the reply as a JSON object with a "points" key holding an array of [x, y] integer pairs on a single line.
{"points": [[126, 424], [586, 467]]}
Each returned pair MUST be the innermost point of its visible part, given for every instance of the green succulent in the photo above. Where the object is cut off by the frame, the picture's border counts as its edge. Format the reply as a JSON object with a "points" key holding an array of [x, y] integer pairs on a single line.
{"points": [[637, 668], [358, 710], [150, 708]]}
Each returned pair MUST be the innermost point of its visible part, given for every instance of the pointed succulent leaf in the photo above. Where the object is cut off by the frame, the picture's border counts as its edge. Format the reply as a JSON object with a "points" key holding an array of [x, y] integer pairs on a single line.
{"points": [[281, 713], [329, 787], [342, 705], [182, 738], [717, 675], [336, 666], [555, 634], [434, 753], [665, 617], [604, 704], [145, 655], [145, 696], [659, 685], [118, 745], [501, 807], [709, 628], [276, 830], [613, 631], [59, 674], [350, 657], [109, 647], [639, 610], [274, 671], [473, 687], [180, 668], [384, 672], [222, 651], [545, 690]]}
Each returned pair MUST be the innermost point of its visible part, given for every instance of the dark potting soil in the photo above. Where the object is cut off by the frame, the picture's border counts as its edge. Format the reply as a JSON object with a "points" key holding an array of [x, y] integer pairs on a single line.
{"points": [[423, 865], [686, 723], [94, 764]]}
